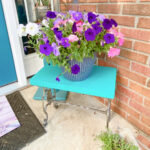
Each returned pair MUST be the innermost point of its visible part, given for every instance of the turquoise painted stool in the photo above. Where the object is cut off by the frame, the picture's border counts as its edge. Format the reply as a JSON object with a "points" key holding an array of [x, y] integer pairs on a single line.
{"points": [[101, 83], [60, 94]]}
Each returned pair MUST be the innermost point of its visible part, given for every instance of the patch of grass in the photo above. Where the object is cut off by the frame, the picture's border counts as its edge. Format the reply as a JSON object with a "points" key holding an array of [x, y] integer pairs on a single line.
{"points": [[115, 142]]}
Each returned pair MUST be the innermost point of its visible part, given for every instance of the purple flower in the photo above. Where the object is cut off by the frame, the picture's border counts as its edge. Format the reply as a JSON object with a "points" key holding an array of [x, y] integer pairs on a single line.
{"points": [[71, 12], [51, 14], [56, 21], [97, 28], [45, 39], [74, 27], [85, 17], [46, 49], [65, 42], [75, 69], [55, 49], [77, 16], [90, 34], [101, 17], [109, 38], [55, 30], [57, 79], [91, 17], [107, 24], [114, 22]]}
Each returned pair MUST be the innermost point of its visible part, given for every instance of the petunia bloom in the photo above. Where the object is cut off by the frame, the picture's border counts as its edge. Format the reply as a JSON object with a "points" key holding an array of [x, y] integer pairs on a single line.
{"points": [[65, 42], [75, 69], [73, 38], [45, 22], [101, 17], [57, 79], [91, 17], [97, 28], [109, 38], [51, 14], [113, 52], [107, 24], [45, 39], [32, 29], [120, 41], [74, 27], [77, 16], [55, 49], [113, 22], [90, 34], [22, 30], [46, 49]]}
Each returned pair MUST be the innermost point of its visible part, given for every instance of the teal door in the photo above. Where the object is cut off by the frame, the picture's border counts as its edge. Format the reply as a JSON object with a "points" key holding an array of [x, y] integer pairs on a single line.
{"points": [[7, 68]]}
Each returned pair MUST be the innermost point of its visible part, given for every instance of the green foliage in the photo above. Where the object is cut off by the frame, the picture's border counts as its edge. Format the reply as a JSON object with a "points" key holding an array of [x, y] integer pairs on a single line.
{"points": [[115, 142]]}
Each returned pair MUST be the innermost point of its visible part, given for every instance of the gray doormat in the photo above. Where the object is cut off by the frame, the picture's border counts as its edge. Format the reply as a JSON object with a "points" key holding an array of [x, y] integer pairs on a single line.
{"points": [[29, 130]]}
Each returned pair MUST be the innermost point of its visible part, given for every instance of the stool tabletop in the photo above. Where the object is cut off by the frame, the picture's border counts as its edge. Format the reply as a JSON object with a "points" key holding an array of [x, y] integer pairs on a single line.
{"points": [[101, 82]]}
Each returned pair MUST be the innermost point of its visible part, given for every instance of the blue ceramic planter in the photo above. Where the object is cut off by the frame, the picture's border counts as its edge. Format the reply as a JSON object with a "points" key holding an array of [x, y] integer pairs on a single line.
{"points": [[85, 69]]}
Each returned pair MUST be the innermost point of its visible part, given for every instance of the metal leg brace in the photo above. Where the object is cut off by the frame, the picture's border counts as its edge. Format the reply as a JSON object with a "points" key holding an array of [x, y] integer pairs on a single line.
{"points": [[51, 99]]}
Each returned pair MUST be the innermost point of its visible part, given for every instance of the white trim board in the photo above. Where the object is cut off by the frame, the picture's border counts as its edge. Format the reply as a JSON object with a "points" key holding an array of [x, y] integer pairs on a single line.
{"points": [[11, 19]]}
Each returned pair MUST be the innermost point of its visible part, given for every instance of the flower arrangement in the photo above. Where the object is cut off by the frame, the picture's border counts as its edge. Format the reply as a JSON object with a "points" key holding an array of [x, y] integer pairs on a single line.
{"points": [[73, 36]]}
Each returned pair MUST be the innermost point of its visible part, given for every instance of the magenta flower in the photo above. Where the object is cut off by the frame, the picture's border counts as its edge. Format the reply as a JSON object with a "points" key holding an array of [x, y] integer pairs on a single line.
{"points": [[75, 69], [46, 49], [113, 52]]}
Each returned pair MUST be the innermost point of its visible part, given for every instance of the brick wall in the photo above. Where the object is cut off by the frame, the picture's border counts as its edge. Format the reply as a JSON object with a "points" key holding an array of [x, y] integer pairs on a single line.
{"points": [[133, 80]]}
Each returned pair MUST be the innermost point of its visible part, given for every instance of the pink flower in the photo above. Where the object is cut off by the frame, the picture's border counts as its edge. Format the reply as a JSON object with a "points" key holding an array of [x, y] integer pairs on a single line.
{"points": [[73, 38], [113, 31], [113, 52], [79, 25], [121, 41]]}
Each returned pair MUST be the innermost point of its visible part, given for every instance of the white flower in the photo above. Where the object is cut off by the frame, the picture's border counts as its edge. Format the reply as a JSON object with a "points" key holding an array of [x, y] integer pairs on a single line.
{"points": [[45, 22], [32, 29], [22, 30]]}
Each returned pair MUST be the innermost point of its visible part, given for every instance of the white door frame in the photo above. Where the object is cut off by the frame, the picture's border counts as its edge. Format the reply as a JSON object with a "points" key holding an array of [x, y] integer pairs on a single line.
{"points": [[11, 19]]}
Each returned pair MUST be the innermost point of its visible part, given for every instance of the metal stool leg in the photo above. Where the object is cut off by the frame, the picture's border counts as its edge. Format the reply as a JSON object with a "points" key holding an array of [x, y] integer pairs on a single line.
{"points": [[49, 101], [108, 113]]}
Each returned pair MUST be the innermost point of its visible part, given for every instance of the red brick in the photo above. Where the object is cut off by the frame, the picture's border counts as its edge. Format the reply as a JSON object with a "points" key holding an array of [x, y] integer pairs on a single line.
{"points": [[140, 89], [87, 8], [142, 47], [109, 8], [138, 34], [120, 61], [118, 110], [139, 124], [140, 108], [121, 97], [136, 9], [144, 140], [130, 94], [121, 20], [133, 76], [122, 80], [148, 83], [141, 146], [141, 69], [146, 120], [102, 55], [147, 102], [144, 23], [64, 7], [92, 1], [127, 43], [128, 110], [106, 64], [66, 1], [122, 0], [100, 99], [145, 0], [134, 56]]}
